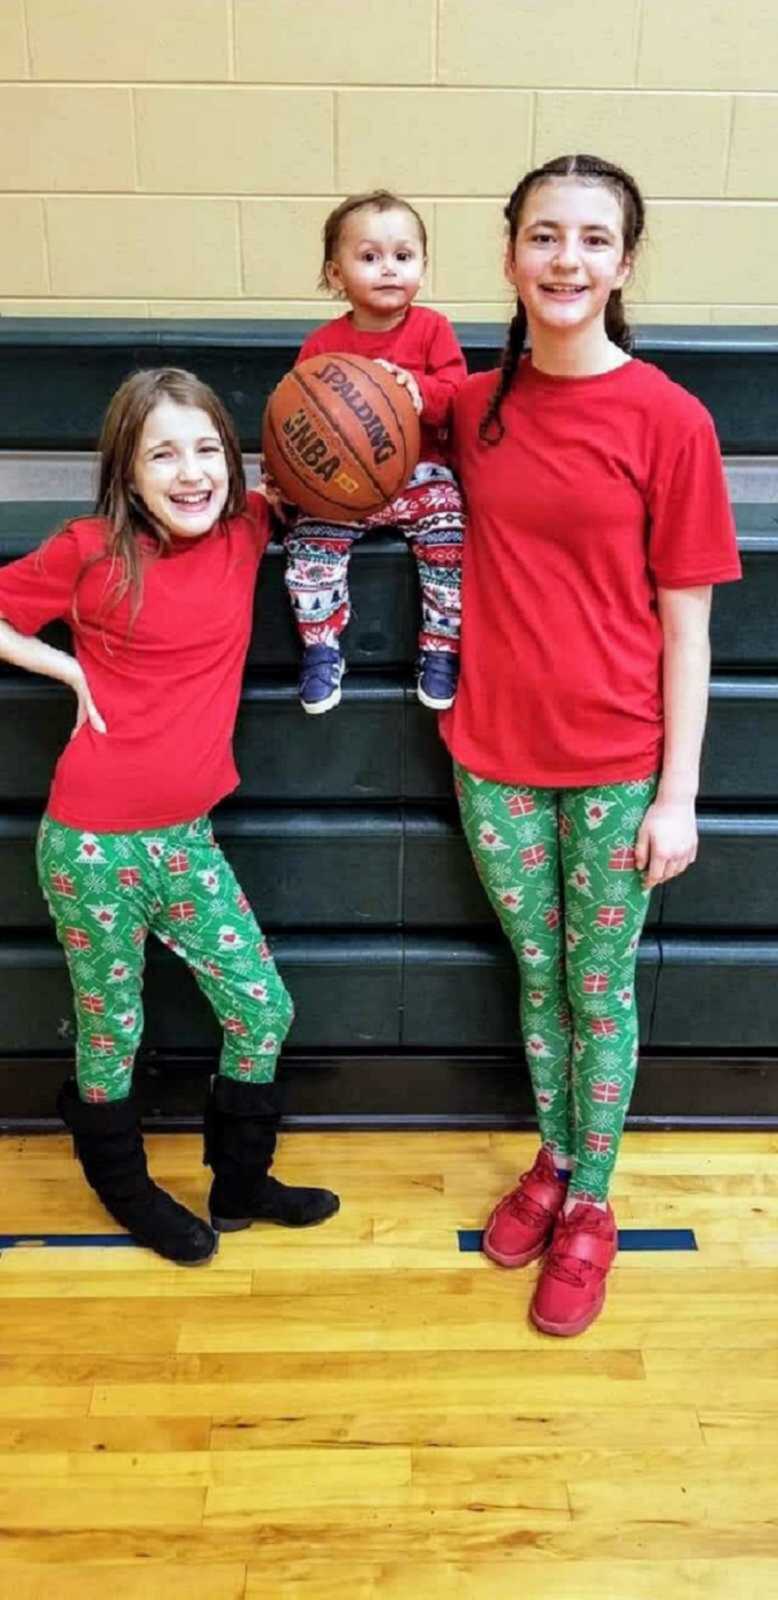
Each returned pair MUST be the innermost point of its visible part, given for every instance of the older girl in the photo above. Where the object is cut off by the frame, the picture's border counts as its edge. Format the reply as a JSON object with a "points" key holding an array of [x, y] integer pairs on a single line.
{"points": [[598, 520]]}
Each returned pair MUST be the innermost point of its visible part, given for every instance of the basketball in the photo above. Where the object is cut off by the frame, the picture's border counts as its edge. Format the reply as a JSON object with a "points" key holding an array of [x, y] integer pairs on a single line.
{"points": [[340, 436]]}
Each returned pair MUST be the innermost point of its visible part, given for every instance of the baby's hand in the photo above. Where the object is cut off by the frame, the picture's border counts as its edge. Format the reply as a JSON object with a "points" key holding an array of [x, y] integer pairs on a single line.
{"points": [[406, 380]]}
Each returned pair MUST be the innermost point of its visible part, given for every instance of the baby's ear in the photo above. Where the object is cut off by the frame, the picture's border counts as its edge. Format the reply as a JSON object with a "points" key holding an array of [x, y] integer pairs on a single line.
{"points": [[333, 275]]}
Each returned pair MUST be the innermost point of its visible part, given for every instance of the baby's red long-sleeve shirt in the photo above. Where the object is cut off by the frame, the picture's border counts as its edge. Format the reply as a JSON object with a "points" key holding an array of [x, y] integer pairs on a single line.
{"points": [[425, 344]]}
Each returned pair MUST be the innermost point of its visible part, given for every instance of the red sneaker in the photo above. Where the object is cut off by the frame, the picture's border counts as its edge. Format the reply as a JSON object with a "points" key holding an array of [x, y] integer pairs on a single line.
{"points": [[521, 1224], [571, 1289]]}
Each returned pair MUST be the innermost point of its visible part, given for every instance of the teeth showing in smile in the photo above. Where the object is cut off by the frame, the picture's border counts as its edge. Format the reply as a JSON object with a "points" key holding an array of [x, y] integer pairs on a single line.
{"points": [[191, 500], [564, 288]]}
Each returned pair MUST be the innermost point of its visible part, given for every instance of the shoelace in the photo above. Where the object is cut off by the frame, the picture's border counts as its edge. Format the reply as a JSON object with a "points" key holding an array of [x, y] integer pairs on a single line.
{"points": [[557, 1261], [521, 1205], [525, 1209]]}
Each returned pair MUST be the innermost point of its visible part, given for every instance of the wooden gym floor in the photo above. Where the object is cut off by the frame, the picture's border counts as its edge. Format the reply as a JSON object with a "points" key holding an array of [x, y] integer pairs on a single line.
{"points": [[363, 1410]]}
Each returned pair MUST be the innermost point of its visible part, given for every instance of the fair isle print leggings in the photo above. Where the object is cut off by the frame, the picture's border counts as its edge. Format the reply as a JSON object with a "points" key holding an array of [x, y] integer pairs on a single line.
{"points": [[558, 866], [430, 513], [106, 892]]}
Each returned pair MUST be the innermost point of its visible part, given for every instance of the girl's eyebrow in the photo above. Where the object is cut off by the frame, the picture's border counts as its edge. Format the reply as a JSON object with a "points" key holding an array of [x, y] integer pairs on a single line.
{"points": [[163, 444], [586, 227]]}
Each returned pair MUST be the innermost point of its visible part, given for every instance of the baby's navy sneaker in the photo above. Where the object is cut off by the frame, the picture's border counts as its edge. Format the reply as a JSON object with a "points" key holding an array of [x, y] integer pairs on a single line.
{"points": [[320, 674], [436, 684]]}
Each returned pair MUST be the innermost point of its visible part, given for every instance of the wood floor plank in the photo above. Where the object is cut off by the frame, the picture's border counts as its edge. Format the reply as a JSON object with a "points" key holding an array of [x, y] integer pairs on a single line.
{"points": [[99, 1506], [251, 1386], [266, 1482], [503, 1580], [156, 1580], [98, 1285], [84, 1436], [697, 1499], [115, 1469], [49, 1325], [45, 1400], [86, 1368], [381, 1533], [746, 1432], [713, 1365], [538, 1430]]}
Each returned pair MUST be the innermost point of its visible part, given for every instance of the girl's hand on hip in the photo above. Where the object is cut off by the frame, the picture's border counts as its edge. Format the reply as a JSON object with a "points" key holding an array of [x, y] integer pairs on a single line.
{"points": [[667, 841], [405, 379], [86, 709]]}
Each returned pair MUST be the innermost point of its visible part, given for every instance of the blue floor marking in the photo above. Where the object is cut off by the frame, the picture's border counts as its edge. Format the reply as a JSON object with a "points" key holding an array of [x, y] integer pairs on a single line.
{"points": [[657, 1239], [105, 1241], [629, 1239]]}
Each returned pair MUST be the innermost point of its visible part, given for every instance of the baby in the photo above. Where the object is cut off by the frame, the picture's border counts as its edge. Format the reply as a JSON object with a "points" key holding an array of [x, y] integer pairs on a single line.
{"points": [[375, 253]]}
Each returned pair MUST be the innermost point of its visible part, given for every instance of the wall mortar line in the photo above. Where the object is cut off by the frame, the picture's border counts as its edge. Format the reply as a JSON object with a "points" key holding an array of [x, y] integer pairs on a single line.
{"points": [[27, 40], [728, 148], [232, 46], [637, 42], [134, 139], [46, 244], [239, 246], [533, 130], [335, 140]]}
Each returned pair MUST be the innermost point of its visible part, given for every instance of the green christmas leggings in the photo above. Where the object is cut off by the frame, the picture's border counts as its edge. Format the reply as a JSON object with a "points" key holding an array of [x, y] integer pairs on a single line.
{"points": [[558, 866], [106, 892]]}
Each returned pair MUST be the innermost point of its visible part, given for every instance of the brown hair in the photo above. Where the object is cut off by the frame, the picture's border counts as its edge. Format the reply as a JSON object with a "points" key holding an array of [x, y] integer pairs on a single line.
{"points": [[589, 169], [376, 200], [117, 499]]}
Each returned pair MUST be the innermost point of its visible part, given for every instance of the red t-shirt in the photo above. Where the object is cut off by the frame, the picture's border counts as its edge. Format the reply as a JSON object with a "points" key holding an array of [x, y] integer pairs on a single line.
{"points": [[167, 689], [425, 344], [601, 490]]}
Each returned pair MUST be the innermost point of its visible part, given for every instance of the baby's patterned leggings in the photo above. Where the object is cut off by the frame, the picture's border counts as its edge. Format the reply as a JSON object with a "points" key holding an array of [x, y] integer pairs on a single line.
{"points": [[430, 513], [558, 866]]}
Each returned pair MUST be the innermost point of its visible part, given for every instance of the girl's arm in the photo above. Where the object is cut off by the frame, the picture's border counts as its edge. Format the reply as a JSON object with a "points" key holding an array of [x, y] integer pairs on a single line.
{"points": [[32, 655], [667, 841]]}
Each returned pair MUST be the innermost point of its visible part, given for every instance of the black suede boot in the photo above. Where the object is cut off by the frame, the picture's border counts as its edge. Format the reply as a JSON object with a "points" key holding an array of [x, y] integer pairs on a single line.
{"points": [[107, 1140], [241, 1121]]}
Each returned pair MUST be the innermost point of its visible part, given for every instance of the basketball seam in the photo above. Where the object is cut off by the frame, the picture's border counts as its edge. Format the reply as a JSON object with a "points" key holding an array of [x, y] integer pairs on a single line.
{"points": [[385, 396], [343, 504], [334, 426]]}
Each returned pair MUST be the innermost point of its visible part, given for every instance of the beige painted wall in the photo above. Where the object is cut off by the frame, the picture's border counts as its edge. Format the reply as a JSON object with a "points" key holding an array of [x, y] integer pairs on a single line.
{"points": [[177, 157]]}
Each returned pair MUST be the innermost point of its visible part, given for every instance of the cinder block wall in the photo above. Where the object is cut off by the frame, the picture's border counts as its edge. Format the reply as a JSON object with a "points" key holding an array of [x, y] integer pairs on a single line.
{"points": [[177, 157]]}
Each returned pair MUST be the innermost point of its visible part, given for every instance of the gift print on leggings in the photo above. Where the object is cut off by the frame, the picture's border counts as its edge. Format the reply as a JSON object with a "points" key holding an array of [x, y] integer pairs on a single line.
{"points": [[559, 869], [106, 893]]}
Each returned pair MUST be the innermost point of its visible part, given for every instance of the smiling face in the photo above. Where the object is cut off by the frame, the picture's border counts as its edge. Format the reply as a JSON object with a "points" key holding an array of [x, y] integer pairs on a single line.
{"points": [[180, 469], [378, 265], [568, 254]]}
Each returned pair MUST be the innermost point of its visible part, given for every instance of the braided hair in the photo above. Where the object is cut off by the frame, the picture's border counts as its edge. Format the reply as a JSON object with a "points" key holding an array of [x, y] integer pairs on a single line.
{"points": [[590, 169]]}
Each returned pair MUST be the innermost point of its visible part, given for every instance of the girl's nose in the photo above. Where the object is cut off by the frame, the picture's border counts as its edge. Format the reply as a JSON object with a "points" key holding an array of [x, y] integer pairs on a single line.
{"points": [[189, 469], [566, 254]]}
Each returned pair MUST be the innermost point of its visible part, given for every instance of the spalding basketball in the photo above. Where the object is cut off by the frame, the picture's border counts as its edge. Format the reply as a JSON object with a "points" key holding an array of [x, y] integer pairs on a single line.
{"points": [[340, 436]]}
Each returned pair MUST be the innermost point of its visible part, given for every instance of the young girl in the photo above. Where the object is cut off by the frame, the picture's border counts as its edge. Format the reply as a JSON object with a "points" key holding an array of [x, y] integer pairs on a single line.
{"points": [[157, 588], [598, 519], [375, 253]]}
